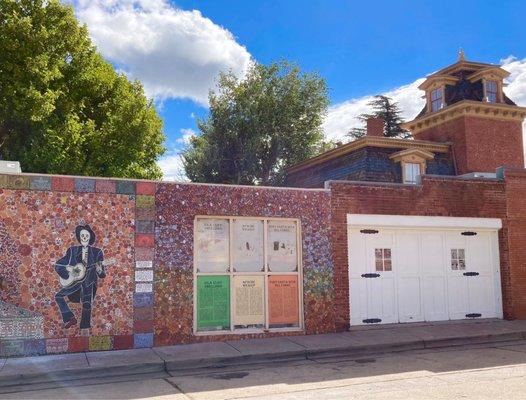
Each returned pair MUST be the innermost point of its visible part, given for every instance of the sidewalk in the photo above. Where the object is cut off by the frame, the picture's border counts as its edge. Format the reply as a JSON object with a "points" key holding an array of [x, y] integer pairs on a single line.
{"points": [[180, 359]]}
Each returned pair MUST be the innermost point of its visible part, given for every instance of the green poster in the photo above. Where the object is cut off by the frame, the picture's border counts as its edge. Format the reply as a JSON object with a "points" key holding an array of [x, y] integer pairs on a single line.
{"points": [[213, 302]]}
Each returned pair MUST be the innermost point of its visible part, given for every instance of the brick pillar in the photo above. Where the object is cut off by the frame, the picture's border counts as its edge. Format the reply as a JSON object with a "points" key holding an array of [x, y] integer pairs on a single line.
{"points": [[375, 127]]}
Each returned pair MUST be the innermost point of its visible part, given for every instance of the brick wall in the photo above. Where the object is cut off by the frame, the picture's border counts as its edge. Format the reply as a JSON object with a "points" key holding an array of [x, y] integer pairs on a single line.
{"points": [[480, 144], [435, 197]]}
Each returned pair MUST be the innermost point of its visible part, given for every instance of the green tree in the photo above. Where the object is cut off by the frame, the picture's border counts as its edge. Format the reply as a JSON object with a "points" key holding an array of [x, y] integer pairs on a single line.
{"points": [[258, 126], [63, 108], [383, 107]]}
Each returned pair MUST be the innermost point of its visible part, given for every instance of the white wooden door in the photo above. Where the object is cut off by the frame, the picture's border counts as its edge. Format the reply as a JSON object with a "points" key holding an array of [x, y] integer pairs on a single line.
{"points": [[409, 276], [456, 256], [371, 278]]}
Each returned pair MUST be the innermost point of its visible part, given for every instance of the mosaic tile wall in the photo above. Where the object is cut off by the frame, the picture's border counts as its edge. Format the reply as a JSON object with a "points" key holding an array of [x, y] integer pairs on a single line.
{"points": [[178, 204], [38, 216], [146, 297]]}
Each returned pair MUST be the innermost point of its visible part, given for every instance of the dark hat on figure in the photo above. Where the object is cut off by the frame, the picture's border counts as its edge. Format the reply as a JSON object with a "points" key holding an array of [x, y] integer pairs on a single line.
{"points": [[88, 228]]}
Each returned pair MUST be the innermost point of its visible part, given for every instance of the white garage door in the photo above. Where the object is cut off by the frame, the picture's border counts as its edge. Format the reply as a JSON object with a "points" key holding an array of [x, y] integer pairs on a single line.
{"points": [[409, 269]]}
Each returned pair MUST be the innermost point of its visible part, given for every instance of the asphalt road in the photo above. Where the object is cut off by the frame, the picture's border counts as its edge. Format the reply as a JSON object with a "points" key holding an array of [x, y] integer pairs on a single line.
{"points": [[479, 372]]}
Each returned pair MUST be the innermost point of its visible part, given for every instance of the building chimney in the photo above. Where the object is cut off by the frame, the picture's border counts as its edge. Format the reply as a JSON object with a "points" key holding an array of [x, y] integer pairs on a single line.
{"points": [[375, 127]]}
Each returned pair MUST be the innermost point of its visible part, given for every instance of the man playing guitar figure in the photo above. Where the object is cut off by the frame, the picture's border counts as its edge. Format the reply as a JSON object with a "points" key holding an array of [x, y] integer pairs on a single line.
{"points": [[90, 260]]}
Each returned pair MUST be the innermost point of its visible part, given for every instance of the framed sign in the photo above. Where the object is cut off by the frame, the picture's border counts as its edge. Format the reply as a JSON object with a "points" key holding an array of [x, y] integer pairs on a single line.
{"points": [[282, 246], [283, 300], [213, 302], [249, 299], [248, 245], [212, 243]]}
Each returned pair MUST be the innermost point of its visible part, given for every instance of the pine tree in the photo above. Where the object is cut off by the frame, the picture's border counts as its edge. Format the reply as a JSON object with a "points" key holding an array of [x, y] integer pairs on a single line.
{"points": [[383, 107]]}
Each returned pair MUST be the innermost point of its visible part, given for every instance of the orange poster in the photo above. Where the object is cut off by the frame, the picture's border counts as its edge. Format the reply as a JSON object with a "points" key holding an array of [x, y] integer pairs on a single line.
{"points": [[283, 300]]}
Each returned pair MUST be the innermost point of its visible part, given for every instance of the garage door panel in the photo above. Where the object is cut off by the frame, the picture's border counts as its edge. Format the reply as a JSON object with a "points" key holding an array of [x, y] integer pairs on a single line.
{"points": [[435, 300], [357, 256], [432, 254], [409, 306], [481, 296], [479, 253], [358, 299], [386, 299], [457, 298], [408, 260]]}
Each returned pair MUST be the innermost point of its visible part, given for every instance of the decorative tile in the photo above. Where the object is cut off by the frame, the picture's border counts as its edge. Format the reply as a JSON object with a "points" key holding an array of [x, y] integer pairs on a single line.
{"points": [[34, 347], [122, 342], [57, 345], [144, 240], [125, 187], [78, 343], [40, 183], [147, 188], [143, 326], [97, 343], [17, 182], [144, 275], [142, 300], [144, 226], [105, 186], [84, 185], [144, 201], [143, 287], [11, 348], [62, 184], [143, 264], [143, 314], [145, 213], [142, 340], [144, 254]]}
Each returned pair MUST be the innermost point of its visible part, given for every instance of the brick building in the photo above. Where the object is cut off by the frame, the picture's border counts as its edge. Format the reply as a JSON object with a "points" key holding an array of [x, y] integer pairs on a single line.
{"points": [[379, 231]]}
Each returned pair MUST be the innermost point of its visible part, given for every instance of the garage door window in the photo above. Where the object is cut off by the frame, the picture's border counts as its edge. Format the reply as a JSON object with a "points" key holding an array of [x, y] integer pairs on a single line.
{"points": [[382, 259], [458, 259]]}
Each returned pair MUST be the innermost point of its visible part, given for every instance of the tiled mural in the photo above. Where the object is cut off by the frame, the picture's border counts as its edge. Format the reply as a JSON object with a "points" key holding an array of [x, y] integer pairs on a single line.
{"points": [[177, 206], [132, 242]]}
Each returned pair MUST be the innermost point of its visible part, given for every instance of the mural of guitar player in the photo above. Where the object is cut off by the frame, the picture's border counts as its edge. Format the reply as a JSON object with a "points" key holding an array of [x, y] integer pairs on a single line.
{"points": [[79, 271]]}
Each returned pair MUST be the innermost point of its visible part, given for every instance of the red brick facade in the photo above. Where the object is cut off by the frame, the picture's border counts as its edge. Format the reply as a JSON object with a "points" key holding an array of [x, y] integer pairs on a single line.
{"points": [[435, 197], [480, 144]]}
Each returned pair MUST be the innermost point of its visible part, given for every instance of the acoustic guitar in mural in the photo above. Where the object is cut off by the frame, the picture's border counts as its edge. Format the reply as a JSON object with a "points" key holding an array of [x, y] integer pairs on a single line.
{"points": [[77, 272]]}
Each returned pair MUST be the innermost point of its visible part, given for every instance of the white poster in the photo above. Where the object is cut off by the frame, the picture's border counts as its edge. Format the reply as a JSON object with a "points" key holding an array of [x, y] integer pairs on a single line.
{"points": [[249, 300], [212, 245], [281, 246], [248, 245]]}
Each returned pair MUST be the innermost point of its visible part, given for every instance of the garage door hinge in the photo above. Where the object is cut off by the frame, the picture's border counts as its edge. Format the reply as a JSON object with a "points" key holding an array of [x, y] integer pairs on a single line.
{"points": [[369, 231], [471, 274], [370, 275], [473, 315], [469, 233], [371, 320]]}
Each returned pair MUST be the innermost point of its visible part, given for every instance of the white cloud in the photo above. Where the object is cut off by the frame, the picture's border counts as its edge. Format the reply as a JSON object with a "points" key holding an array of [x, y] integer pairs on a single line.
{"points": [[175, 53], [342, 117], [172, 163]]}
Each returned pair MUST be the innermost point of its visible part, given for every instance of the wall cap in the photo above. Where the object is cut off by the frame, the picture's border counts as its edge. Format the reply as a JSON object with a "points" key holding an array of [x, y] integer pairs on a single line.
{"points": [[418, 221]]}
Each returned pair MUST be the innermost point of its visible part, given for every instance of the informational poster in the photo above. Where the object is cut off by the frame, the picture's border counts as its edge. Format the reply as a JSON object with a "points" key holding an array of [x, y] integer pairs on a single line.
{"points": [[283, 300], [281, 246], [248, 245], [213, 302], [212, 245], [249, 296]]}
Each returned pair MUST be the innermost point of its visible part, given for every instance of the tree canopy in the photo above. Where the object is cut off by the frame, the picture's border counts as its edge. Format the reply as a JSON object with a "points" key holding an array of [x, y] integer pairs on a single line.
{"points": [[63, 108], [258, 126], [383, 107]]}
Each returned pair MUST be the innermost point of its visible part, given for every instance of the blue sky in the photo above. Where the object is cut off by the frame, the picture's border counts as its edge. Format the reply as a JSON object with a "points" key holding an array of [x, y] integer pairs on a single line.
{"points": [[361, 48]]}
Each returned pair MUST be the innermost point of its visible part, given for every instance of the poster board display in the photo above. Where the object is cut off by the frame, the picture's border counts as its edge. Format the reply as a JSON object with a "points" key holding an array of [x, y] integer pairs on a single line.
{"points": [[283, 300], [281, 246], [248, 245], [212, 245], [213, 302], [249, 300]]}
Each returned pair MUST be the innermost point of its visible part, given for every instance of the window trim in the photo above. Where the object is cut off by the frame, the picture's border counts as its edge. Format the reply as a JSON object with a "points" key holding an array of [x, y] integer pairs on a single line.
{"points": [[265, 273], [421, 167]]}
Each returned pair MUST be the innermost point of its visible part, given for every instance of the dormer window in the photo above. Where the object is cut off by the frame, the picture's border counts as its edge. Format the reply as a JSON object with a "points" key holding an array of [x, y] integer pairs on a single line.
{"points": [[411, 173], [412, 163], [491, 88], [437, 99]]}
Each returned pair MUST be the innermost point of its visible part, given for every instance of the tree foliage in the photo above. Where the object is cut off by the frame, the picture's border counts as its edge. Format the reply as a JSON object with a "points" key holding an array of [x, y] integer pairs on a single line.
{"points": [[258, 126], [383, 107], [63, 108]]}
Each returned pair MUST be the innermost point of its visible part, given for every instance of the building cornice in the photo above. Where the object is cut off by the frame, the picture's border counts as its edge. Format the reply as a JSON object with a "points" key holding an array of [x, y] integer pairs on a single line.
{"points": [[370, 141], [464, 108]]}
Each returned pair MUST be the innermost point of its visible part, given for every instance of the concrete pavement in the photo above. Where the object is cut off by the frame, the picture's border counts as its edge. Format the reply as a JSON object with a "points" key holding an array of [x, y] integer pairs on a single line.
{"points": [[481, 371], [186, 359]]}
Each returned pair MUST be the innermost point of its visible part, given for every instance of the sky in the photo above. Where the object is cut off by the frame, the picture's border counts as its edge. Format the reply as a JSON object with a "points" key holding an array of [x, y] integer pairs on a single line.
{"points": [[176, 48]]}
